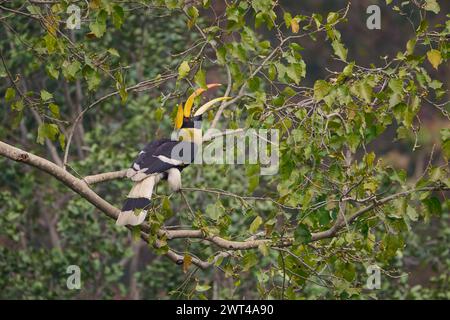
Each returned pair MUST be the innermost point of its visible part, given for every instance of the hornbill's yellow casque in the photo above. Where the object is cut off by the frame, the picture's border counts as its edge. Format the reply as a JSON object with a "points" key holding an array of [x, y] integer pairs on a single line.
{"points": [[157, 160]]}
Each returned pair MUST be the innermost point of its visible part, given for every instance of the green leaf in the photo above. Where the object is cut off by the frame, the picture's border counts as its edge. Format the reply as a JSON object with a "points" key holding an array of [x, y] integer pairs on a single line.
{"points": [[433, 6], [18, 105], [47, 130], [193, 14], [363, 90], [183, 70], [98, 27], [114, 52], [321, 89], [249, 260], [172, 4], [71, 69], [445, 137], [253, 171], [34, 9], [200, 78], [254, 84], [446, 148], [118, 16], [412, 213], [370, 186], [255, 224], [433, 205], [264, 249], [10, 94], [166, 209], [262, 5], [221, 55], [339, 49], [445, 134], [52, 71], [92, 77], [62, 140], [410, 46], [302, 234], [214, 211], [281, 71], [287, 19], [3, 73], [135, 233], [50, 43], [54, 109], [370, 157], [332, 17], [296, 71], [348, 69], [396, 85], [434, 57], [45, 95], [159, 113], [202, 288]]}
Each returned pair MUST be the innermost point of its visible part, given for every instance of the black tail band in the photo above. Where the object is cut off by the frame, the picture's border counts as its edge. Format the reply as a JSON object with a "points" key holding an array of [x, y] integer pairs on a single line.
{"points": [[136, 203]]}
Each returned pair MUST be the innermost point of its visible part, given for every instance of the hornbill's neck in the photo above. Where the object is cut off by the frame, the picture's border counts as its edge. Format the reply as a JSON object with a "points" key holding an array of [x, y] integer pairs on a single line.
{"points": [[191, 130]]}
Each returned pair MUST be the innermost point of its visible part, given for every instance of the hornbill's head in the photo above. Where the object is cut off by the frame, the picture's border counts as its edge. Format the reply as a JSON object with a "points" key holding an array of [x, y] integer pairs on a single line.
{"points": [[190, 125]]}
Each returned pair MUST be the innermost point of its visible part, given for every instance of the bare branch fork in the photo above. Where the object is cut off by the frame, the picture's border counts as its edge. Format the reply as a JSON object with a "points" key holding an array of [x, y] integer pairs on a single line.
{"points": [[144, 85], [81, 186]]}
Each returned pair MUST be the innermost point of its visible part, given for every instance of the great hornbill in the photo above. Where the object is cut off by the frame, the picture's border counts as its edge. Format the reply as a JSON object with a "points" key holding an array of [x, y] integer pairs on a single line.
{"points": [[164, 160]]}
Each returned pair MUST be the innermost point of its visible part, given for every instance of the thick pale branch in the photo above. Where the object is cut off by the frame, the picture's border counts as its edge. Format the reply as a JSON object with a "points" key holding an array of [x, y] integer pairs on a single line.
{"points": [[316, 236], [77, 185], [102, 177], [251, 244], [82, 188]]}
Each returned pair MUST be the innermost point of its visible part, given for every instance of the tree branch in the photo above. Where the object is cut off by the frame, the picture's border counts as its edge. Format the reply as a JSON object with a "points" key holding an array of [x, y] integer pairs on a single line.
{"points": [[102, 177], [82, 188]]}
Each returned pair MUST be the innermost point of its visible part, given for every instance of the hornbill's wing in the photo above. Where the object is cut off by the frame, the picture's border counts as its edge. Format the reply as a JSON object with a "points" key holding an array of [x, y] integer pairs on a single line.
{"points": [[159, 159], [169, 154], [149, 149], [145, 153]]}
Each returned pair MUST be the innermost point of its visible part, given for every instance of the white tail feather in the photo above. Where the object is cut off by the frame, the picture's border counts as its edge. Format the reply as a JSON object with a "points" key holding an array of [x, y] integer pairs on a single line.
{"points": [[174, 179], [129, 217], [142, 189]]}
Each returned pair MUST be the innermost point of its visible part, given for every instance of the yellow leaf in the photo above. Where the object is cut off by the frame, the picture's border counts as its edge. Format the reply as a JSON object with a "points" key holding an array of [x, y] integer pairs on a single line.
{"points": [[371, 186], [51, 24], [95, 4], [434, 56], [183, 70], [255, 224], [187, 261], [295, 27], [264, 249]]}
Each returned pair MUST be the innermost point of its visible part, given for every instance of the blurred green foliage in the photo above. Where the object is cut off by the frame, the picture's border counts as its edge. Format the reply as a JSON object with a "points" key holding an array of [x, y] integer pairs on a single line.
{"points": [[327, 163]]}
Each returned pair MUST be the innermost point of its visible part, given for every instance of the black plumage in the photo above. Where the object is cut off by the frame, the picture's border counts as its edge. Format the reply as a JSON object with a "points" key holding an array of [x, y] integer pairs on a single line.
{"points": [[164, 159], [160, 159], [148, 162]]}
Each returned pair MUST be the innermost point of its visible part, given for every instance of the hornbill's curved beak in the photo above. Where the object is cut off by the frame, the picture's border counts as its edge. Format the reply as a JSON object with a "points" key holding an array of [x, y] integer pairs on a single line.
{"points": [[185, 112], [190, 101], [208, 105]]}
